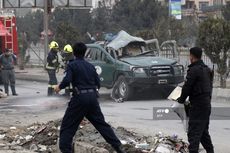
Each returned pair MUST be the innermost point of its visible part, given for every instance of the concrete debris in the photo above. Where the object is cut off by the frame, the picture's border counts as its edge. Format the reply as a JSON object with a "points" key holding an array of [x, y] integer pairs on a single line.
{"points": [[36, 137], [2, 94], [2, 136], [43, 138], [28, 137], [13, 128], [81, 147]]}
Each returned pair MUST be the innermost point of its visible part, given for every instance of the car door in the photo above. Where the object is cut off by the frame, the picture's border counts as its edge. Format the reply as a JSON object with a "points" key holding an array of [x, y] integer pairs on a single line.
{"points": [[103, 63]]}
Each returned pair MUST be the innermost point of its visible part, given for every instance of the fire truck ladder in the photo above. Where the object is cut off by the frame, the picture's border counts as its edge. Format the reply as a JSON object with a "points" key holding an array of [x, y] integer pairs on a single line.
{"points": [[8, 21]]}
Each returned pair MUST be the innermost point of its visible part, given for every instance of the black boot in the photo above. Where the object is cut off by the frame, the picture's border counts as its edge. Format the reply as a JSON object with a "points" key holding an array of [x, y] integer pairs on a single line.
{"points": [[119, 149], [13, 90], [50, 91]]}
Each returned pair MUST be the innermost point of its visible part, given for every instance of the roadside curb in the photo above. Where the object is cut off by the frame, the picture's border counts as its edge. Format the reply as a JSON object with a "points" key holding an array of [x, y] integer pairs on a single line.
{"points": [[220, 93], [34, 77], [31, 77], [26, 76]]}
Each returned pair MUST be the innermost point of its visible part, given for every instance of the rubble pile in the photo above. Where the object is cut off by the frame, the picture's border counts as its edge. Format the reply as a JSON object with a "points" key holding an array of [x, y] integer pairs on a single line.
{"points": [[169, 144], [43, 138], [36, 137]]}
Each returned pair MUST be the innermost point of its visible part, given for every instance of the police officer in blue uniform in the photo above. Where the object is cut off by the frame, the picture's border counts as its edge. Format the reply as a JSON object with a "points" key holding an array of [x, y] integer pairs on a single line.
{"points": [[198, 86], [83, 103]]}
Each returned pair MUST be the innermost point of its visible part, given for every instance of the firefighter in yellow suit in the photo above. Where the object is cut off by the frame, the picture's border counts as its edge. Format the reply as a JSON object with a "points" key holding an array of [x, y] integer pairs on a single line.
{"points": [[67, 57], [52, 66]]}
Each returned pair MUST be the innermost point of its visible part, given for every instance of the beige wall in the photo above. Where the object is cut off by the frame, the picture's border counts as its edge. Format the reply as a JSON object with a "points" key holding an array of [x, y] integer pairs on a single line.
{"points": [[198, 2], [210, 2]]}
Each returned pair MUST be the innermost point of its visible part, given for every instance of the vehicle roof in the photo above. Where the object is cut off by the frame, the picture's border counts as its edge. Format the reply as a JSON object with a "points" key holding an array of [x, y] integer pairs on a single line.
{"points": [[94, 45]]}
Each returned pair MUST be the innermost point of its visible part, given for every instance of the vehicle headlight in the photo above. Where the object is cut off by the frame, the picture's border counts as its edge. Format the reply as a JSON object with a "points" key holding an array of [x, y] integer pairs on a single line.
{"points": [[178, 70], [138, 70]]}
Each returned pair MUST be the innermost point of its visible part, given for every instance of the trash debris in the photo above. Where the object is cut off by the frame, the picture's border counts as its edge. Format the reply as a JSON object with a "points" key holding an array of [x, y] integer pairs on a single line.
{"points": [[13, 128], [43, 138], [144, 146], [163, 148], [170, 144]]}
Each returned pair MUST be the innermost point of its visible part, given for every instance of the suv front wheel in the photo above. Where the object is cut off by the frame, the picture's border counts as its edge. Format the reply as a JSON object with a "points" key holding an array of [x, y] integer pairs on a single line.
{"points": [[122, 89]]}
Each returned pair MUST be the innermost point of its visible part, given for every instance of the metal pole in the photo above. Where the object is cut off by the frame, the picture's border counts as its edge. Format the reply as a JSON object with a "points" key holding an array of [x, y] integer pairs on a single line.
{"points": [[169, 20], [46, 28], [1, 4]]}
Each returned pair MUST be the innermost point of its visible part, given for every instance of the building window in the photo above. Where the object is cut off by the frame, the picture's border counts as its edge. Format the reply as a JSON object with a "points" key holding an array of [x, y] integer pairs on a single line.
{"points": [[202, 5]]}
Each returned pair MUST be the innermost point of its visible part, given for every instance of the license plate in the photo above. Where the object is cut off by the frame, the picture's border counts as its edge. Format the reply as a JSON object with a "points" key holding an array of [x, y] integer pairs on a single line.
{"points": [[162, 81]]}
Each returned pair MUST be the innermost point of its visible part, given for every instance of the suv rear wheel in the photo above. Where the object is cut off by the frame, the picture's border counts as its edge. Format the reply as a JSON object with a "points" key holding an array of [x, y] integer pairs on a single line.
{"points": [[122, 89]]}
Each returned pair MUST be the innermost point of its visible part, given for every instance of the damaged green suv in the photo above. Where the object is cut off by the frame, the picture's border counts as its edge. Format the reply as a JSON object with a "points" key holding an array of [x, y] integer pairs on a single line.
{"points": [[132, 69], [129, 64]]}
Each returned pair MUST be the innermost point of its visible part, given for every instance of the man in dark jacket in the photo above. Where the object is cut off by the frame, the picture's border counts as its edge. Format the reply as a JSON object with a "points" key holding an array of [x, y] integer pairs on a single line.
{"points": [[84, 78], [52, 66], [7, 61], [198, 86]]}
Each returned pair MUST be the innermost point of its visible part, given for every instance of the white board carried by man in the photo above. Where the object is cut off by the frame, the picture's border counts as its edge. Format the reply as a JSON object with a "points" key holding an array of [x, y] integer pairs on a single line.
{"points": [[180, 109]]}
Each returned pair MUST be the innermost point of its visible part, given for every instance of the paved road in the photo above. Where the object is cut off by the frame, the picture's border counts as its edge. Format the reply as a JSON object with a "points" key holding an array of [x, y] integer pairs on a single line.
{"points": [[32, 105]]}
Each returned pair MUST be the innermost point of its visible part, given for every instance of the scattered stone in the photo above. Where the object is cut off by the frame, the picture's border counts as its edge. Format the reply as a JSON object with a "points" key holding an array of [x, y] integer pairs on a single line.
{"points": [[81, 147], [42, 148], [28, 137], [43, 138], [2, 136]]}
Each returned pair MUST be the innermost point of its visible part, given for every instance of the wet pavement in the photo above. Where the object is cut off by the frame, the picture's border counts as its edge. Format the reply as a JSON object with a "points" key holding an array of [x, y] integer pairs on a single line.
{"points": [[32, 105]]}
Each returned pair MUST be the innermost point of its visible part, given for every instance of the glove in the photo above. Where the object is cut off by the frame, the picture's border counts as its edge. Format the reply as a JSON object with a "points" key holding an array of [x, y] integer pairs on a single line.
{"points": [[187, 109], [179, 100]]}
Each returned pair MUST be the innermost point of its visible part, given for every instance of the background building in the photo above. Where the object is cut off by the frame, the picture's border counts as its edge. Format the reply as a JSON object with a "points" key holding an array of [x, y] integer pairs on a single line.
{"points": [[202, 8], [108, 3]]}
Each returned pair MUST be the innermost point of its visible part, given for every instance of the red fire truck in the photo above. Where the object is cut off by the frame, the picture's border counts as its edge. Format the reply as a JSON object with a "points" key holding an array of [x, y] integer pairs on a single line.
{"points": [[8, 33]]}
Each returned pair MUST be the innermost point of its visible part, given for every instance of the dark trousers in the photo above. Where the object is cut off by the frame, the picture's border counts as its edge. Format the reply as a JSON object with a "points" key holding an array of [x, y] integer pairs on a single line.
{"points": [[80, 106], [52, 81], [198, 131], [8, 78]]}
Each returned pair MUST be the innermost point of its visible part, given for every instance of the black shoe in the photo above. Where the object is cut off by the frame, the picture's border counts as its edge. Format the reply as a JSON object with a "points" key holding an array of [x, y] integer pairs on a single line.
{"points": [[15, 94], [119, 149], [50, 91]]}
